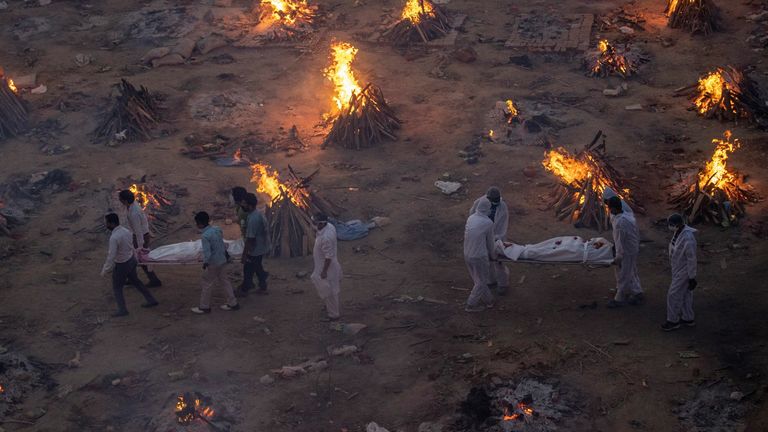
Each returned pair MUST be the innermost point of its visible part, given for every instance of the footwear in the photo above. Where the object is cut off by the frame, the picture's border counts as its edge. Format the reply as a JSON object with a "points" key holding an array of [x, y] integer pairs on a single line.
{"points": [[490, 305], [474, 309], [691, 323], [637, 299], [154, 284], [227, 307], [613, 304], [149, 304], [669, 326], [119, 314], [200, 311]]}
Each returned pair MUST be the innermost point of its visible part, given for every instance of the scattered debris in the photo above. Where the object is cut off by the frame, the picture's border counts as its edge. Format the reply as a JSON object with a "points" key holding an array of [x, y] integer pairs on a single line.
{"points": [[448, 187]]}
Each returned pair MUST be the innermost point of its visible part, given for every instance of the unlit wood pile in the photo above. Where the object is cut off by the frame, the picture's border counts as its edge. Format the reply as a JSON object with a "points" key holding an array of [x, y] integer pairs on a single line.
{"points": [[694, 16], [367, 120], [430, 26], [14, 118], [133, 115], [728, 94], [582, 200], [609, 60]]}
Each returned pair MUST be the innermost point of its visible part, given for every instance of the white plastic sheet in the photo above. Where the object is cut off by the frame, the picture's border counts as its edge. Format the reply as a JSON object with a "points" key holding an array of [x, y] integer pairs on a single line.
{"points": [[561, 250], [190, 252]]}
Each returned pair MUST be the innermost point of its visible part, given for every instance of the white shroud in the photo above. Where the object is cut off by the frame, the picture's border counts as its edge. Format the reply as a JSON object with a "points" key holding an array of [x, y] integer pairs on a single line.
{"points": [[188, 252], [561, 250]]}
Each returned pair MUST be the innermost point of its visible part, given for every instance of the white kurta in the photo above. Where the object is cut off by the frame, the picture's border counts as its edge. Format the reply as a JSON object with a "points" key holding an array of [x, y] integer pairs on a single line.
{"points": [[328, 289], [479, 248], [499, 272], [136, 221], [682, 259], [626, 240]]}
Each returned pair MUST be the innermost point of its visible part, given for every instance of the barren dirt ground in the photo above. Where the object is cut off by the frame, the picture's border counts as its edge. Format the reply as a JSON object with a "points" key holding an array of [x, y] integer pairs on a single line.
{"points": [[420, 358]]}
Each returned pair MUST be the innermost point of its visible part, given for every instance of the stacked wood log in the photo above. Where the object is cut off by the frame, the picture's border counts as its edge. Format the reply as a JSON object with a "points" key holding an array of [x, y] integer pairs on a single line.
{"points": [[14, 118], [365, 121], [581, 200], [132, 116], [607, 60], [728, 94], [293, 24], [714, 196], [432, 23], [694, 16]]}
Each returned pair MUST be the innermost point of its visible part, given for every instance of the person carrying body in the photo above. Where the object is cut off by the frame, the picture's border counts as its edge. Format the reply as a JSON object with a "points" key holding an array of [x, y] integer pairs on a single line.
{"points": [[215, 260], [138, 224], [499, 272], [626, 241], [682, 260], [479, 250]]}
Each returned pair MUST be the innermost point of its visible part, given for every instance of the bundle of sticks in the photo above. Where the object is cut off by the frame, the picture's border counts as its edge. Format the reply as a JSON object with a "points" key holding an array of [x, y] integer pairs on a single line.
{"points": [[608, 60], [728, 94], [290, 216], [133, 115], [694, 16], [579, 194], [14, 118], [714, 194], [430, 23], [365, 121]]}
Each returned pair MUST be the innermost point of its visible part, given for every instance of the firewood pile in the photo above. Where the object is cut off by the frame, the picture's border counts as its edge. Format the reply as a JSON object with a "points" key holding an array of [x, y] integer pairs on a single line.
{"points": [[133, 115], [609, 60], [728, 94], [421, 20], [694, 16], [14, 118], [365, 121], [281, 20], [583, 177], [714, 194]]}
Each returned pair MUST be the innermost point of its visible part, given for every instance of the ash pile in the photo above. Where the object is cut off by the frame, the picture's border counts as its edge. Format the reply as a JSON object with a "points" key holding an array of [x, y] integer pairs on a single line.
{"points": [[19, 376], [22, 194], [530, 404], [718, 406]]}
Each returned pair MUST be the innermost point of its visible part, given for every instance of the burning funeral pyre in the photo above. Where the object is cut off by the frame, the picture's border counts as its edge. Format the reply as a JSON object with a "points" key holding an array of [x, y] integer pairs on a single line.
{"points": [[14, 118], [608, 60], [289, 211], [190, 407], [715, 194], [728, 94], [133, 115], [421, 20], [582, 180], [361, 116], [160, 203], [285, 19], [695, 16]]}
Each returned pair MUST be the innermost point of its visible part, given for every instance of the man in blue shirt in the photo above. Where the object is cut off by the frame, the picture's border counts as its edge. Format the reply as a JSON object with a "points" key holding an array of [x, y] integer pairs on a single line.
{"points": [[256, 246], [215, 259]]}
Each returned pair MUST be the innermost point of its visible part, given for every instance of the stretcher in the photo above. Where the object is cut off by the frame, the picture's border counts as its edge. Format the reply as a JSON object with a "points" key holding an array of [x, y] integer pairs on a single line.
{"points": [[595, 252], [185, 253]]}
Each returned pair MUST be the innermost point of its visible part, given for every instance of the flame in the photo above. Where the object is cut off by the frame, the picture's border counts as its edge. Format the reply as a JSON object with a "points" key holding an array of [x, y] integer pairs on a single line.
{"points": [[12, 86], [2, 389], [186, 415], [341, 75], [525, 411], [565, 166], [268, 182], [143, 196], [711, 89], [286, 11], [603, 45], [512, 111], [238, 156], [610, 57], [715, 174], [673, 5], [416, 10], [490, 133]]}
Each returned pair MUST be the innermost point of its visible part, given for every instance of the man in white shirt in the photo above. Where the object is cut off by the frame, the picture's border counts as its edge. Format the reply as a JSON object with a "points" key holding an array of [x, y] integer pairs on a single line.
{"points": [[479, 250], [122, 263], [137, 223], [327, 273]]}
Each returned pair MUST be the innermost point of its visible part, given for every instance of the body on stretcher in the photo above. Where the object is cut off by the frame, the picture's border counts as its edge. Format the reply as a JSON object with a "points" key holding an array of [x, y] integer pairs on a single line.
{"points": [[185, 253], [559, 250]]}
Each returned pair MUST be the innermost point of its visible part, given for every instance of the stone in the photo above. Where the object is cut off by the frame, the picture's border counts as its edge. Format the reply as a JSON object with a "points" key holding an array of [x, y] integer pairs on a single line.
{"points": [[155, 53], [465, 55], [267, 379], [169, 60], [184, 47], [635, 107], [210, 43], [618, 91], [737, 396]]}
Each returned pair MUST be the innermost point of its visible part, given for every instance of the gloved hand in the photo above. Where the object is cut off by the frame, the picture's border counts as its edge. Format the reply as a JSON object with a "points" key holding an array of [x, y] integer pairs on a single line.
{"points": [[692, 284]]}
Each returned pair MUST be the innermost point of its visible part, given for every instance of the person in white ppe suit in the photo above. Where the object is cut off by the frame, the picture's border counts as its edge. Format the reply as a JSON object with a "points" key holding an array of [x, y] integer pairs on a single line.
{"points": [[626, 241], [327, 273], [479, 250], [682, 259], [499, 273], [608, 193]]}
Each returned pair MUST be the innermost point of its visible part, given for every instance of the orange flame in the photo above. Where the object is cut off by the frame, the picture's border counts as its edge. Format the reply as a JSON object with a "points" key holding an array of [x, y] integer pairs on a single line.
{"points": [[715, 174], [416, 10], [268, 182], [711, 89], [143, 196], [182, 406], [286, 11], [512, 111], [2, 389], [673, 5], [341, 75], [609, 57], [526, 410], [12, 86], [574, 171]]}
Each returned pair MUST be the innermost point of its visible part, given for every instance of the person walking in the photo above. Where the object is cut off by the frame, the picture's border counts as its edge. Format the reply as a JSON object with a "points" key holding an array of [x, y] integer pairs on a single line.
{"points": [[479, 250], [499, 273], [215, 260], [682, 260], [138, 224], [327, 272], [256, 246], [626, 241]]}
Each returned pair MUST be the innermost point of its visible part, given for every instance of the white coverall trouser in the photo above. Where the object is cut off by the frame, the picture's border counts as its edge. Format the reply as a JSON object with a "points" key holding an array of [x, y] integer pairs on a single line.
{"points": [[682, 257], [627, 279], [479, 271]]}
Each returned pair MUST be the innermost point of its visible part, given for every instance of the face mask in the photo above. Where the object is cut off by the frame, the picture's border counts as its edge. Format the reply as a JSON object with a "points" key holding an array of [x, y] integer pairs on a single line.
{"points": [[672, 228]]}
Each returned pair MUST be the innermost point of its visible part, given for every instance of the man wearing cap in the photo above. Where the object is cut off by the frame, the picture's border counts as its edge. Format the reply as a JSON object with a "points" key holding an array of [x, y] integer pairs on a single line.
{"points": [[498, 276], [327, 273], [479, 250], [682, 260]]}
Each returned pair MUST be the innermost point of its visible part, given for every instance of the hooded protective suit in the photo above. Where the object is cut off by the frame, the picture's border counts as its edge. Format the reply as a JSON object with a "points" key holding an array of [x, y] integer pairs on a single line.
{"points": [[626, 240], [499, 273], [479, 248], [682, 259], [625, 208]]}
